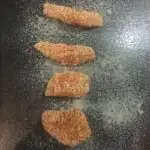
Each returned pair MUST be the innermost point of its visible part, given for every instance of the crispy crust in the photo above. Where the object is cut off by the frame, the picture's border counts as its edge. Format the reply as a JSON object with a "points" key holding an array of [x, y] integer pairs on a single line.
{"points": [[69, 127], [73, 16], [70, 84], [66, 54]]}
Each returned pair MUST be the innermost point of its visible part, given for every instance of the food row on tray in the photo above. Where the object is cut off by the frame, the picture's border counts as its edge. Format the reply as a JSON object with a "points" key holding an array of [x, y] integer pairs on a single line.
{"points": [[69, 127]]}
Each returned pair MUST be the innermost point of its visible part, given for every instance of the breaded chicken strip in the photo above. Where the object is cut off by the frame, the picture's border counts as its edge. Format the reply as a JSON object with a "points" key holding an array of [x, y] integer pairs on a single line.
{"points": [[66, 54], [68, 84], [73, 16], [69, 127]]}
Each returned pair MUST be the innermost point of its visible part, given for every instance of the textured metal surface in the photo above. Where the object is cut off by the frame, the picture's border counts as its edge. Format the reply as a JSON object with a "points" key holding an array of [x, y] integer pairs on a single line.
{"points": [[118, 103]]}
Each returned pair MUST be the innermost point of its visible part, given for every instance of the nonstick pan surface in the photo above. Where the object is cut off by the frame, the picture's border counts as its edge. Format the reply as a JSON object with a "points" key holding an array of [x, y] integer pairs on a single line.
{"points": [[118, 103]]}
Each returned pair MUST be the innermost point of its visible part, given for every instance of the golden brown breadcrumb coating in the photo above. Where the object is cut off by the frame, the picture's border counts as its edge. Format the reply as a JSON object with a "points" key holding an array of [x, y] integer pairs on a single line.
{"points": [[73, 16], [69, 84], [69, 127], [66, 54]]}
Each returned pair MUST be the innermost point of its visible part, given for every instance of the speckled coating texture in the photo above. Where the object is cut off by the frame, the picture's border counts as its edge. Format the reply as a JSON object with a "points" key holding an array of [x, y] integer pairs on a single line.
{"points": [[69, 84], [66, 54], [118, 104], [69, 127], [72, 16]]}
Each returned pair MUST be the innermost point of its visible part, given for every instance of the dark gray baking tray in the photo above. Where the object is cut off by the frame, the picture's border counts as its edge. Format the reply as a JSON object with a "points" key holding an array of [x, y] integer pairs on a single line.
{"points": [[118, 103]]}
